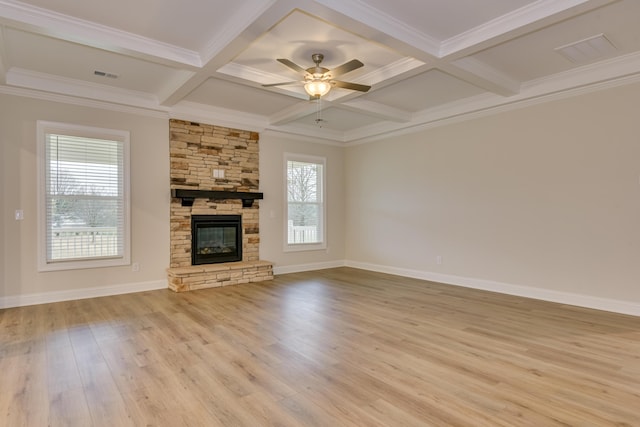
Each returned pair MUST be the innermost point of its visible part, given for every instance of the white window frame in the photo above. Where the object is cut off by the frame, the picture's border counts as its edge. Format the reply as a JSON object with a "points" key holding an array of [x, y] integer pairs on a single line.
{"points": [[46, 127], [297, 247]]}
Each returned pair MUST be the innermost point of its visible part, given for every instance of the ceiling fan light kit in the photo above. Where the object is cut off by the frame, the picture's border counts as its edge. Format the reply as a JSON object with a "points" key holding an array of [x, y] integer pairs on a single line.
{"points": [[317, 87], [319, 80]]}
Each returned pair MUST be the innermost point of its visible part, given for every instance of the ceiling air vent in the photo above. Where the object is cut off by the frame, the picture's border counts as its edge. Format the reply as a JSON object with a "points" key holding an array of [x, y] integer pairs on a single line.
{"points": [[586, 50], [105, 74]]}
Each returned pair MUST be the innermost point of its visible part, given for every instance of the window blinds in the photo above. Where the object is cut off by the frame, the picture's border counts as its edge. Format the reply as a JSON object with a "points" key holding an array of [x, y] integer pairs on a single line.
{"points": [[85, 203]]}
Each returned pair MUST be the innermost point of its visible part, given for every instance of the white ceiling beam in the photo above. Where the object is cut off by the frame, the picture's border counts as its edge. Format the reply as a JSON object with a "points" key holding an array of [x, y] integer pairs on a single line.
{"points": [[375, 109], [44, 22], [482, 75], [375, 25], [455, 53], [532, 17], [237, 35]]}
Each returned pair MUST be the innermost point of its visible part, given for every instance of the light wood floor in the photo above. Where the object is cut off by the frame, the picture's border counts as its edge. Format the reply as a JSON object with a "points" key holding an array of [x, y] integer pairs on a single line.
{"points": [[340, 347]]}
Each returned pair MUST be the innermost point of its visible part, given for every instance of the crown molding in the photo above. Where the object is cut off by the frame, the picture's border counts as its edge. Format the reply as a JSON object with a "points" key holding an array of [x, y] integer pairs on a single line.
{"points": [[280, 133], [83, 102], [609, 69], [56, 84], [57, 25], [193, 111], [330, 136], [376, 109], [589, 78], [481, 106]]}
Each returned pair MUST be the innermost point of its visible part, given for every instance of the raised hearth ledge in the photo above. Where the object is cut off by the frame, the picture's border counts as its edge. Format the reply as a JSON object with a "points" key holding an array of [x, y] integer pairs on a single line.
{"points": [[182, 279]]}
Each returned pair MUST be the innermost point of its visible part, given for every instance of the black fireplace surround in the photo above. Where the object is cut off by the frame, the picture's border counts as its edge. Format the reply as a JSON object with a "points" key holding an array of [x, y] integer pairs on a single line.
{"points": [[216, 238]]}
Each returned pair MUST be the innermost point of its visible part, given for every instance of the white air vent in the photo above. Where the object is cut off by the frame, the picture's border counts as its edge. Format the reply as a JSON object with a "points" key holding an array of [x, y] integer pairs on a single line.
{"points": [[105, 74], [586, 50]]}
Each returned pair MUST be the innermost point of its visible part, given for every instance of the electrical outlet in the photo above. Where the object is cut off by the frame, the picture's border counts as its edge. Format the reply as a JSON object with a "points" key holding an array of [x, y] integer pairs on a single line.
{"points": [[135, 267], [19, 215], [439, 259]]}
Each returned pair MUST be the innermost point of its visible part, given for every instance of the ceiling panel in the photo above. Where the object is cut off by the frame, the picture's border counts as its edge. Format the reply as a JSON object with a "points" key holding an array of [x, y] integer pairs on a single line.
{"points": [[297, 37], [215, 56], [338, 119], [443, 19], [424, 91], [55, 57], [533, 56], [239, 97], [188, 23]]}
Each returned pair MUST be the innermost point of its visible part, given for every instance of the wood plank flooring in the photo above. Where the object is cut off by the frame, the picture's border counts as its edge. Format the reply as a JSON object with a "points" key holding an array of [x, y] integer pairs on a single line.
{"points": [[340, 347]]}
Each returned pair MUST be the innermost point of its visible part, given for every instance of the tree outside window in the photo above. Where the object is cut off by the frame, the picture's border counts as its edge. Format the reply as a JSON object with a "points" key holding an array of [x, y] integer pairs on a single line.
{"points": [[305, 201]]}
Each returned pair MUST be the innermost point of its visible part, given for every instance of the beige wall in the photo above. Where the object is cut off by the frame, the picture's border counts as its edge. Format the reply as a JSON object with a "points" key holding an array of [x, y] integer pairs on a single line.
{"points": [[272, 209], [545, 197], [149, 192]]}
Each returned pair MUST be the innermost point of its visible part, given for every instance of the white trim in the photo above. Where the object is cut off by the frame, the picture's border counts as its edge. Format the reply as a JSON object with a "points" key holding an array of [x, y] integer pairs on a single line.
{"points": [[478, 106], [299, 268], [158, 112], [75, 294], [363, 12], [35, 80], [587, 301], [194, 111], [587, 79], [65, 27], [525, 19], [42, 128], [605, 304]]}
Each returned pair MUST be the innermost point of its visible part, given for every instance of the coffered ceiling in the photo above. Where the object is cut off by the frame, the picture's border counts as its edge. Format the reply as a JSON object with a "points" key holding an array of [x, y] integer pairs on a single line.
{"points": [[427, 61]]}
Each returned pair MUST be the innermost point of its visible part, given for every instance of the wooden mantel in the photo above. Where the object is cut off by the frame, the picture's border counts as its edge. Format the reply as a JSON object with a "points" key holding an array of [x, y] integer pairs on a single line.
{"points": [[188, 196]]}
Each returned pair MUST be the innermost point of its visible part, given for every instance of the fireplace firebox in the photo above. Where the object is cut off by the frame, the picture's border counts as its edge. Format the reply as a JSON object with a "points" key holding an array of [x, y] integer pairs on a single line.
{"points": [[216, 238]]}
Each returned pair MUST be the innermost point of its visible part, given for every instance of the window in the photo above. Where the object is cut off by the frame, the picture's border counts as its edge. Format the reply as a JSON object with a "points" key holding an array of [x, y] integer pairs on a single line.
{"points": [[305, 226], [83, 203]]}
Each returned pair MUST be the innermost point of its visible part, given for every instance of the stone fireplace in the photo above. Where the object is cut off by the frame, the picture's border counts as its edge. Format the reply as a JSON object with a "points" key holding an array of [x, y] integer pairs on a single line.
{"points": [[214, 179]]}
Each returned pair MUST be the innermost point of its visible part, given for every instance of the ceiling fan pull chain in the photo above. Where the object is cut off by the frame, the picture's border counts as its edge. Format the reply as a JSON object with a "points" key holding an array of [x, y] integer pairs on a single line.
{"points": [[319, 120]]}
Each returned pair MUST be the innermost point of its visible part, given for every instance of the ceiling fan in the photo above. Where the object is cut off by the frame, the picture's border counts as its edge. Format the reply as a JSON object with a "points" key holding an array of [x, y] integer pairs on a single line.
{"points": [[318, 80]]}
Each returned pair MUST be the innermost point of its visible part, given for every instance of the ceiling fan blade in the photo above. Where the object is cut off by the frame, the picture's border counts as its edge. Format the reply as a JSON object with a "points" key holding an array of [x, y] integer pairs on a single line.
{"points": [[352, 86], [291, 65], [280, 84], [354, 64]]}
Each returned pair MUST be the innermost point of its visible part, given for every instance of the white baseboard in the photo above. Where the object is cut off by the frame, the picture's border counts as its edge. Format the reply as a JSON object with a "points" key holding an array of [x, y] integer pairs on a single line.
{"points": [[307, 267], [73, 294], [606, 304], [587, 301]]}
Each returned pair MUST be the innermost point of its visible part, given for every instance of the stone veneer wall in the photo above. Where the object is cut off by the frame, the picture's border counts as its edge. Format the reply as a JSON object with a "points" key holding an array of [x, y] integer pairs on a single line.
{"points": [[196, 150]]}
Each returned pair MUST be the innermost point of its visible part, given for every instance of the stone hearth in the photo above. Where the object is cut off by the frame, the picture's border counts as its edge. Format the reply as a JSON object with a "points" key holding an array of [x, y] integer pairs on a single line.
{"points": [[198, 152]]}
